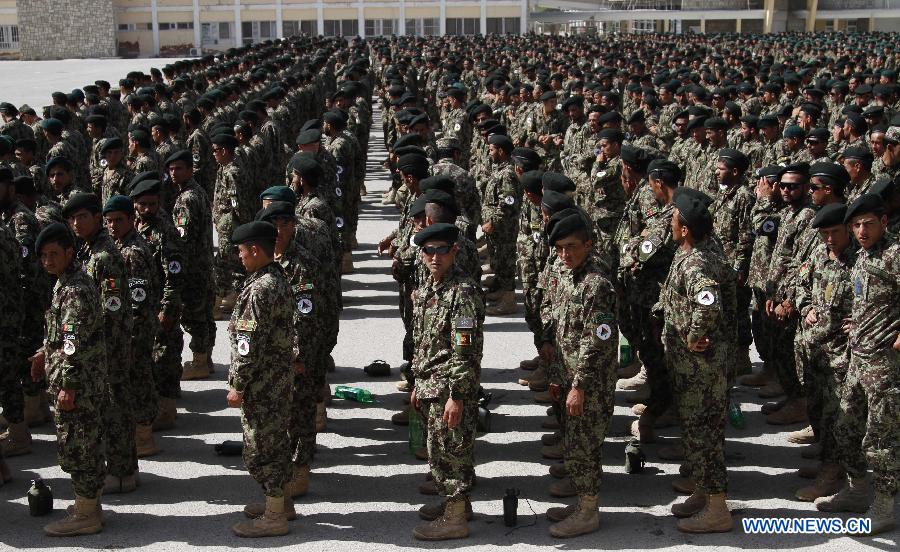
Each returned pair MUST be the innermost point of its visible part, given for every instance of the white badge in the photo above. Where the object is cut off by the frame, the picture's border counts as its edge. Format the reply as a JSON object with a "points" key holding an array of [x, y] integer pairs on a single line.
{"points": [[196, 158], [412, 241], [181, 231], [509, 200], [339, 170], [559, 106], [768, 226], [604, 331], [305, 305], [338, 191], [138, 295], [457, 127], [706, 298], [537, 237], [69, 347], [601, 174], [113, 303], [24, 251], [646, 247], [104, 163], [243, 345], [339, 222], [174, 267]]}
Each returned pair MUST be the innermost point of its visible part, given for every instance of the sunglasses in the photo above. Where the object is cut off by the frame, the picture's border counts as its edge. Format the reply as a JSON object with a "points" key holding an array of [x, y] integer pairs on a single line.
{"points": [[432, 250], [792, 185], [816, 187]]}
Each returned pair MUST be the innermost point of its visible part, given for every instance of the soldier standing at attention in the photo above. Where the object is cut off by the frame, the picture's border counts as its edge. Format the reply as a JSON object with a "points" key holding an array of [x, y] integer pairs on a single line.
{"points": [[448, 335], [584, 326], [260, 378], [74, 354], [501, 203], [697, 304]]}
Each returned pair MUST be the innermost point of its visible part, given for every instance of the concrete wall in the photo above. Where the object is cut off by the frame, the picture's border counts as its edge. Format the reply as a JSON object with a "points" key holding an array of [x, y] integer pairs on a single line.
{"points": [[61, 29]]}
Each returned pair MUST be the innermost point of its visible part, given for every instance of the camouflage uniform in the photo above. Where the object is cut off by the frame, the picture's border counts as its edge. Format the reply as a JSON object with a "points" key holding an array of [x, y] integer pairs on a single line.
{"points": [[234, 204], [448, 335], [114, 181], [501, 202], [765, 221], [262, 345], [532, 252], [204, 162], [604, 202], [11, 302], [76, 359], [466, 193], [697, 300]]}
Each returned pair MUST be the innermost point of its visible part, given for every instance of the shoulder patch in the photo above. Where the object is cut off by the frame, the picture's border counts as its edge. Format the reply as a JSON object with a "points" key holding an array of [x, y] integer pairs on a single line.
{"points": [[465, 322], [706, 297], [243, 325]]}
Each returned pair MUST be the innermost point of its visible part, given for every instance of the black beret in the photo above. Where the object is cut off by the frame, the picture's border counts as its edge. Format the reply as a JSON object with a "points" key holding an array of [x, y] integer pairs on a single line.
{"points": [[885, 186], [279, 193], [306, 166], [667, 170], [611, 134], [830, 215], [440, 197], [412, 161], [794, 131], [832, 173], [276, 209], [407, 150], [532, 182], [254, 231], [225, 140], [82, 200], [411, 139], [696, 122], [181, 155], [693, 205], [417, 207], [119, 203], [818, 135], [750, 120], [24, 185], [440, 231], [438, 182], [54, 233], [737, 157], [145, 187], [111, 144], [333, 117], [567, 226], [96, 119], [526, 158], [457, 93], [573, 100], [501, 141], [52, 125], [865, 204], [637, 117], [141, 138], [635, 157], [553, 201], [548, 95], [59, 160], [309, 136], [797, 168], [557, 182], [767, 120], [418, 119], [611, 117], [861, 153], [27, 144], [715, 123]]}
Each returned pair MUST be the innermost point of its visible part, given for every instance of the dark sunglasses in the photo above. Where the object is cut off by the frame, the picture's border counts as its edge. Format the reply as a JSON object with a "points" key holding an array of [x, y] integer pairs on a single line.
{"points": [[792, 186], [432, 250]]}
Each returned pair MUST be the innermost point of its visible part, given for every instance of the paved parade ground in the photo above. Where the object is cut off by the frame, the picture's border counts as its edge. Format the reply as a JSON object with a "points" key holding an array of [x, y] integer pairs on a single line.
{"points": [[364, 484]]}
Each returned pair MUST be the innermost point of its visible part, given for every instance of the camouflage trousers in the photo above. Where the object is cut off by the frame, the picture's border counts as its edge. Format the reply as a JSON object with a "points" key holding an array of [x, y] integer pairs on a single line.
{"points": [[783, 357], [406, 314], [197, 313], [763, 328], [118, 426], [868, 426], [823, 373], [583, 438], [700, 389], [79, 446], [744, 332], [651, 353], [501, 245], [146, 400], [265, 419], [532, 294], [302, 429], [451, 452], [229, 272], [167, 361]]}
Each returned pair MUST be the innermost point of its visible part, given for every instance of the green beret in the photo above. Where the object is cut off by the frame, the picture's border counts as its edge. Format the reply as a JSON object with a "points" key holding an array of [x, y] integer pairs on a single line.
{"points": [[54, 126], [532, 182], [794, 131], [335, 118], [54, 233], [441, 231], [766, 121], [567, 226], [864, 205], [59, 160], [276, 209], [438, 182], [82, 200], [309, 136], [141, 138], [254, 232], [418, 206], [279, 193], [182, 155], [145, 187], [111, 144], [548, 95], [830, 215], [557, 182], [611, 134], [119, 203]]}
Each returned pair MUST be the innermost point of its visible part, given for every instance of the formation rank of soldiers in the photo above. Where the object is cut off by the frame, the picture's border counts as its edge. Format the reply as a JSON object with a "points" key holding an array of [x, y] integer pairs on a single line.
{"points": [[695, 194]]}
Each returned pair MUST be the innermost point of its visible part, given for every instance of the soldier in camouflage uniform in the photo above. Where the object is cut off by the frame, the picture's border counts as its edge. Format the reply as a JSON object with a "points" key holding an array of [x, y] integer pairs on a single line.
{"points": [[17, 440], [344, 151], [201, 151], [144, 296], [448, 336], [115, 176], [697, 304], [867, 431], [605, 198], [259, 379], [582, 323], [457, 124], [466, 192], [74, 357], [544, 129], [501, 203]]}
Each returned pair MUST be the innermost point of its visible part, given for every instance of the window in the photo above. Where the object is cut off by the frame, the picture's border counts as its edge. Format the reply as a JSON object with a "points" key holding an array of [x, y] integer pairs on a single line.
{"points": [[379, 27], [225, 30], [309, 27], [212, 33], [503, 25], [292, 28], [9, 37], [463, 26], [126, 26], [341, 27], [166, 26], [185, 25], [643, 26], [423, 27]]}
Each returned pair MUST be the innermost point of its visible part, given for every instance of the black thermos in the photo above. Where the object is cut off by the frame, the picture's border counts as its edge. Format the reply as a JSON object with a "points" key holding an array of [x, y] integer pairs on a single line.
{"points": [[511, 507]]}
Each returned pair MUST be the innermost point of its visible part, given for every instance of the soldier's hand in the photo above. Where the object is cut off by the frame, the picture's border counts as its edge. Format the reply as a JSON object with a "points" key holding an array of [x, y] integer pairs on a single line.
{"points": [[770, 308], [452, 413], [700, 345], [37, 366], [384, 244], [555, 391], [897, 343], [299, 367], [65, 400], [575, 402], [234, 398], [487, 227], [811, 317], [413, 400], [788, 308], [847, 325]]}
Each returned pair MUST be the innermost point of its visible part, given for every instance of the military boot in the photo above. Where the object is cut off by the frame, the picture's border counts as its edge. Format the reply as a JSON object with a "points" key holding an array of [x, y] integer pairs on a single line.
{"points": [[430, 512], [539, 380], [299, 483], [321, 417], [37, 410], [451, 525], [759, 379], [429, 487], [83, 520], [559, 513], [539, 375], [563, 488], [143, 438], [855, 497], [488, 281], [559, 471], [544, 397], [119, 485], [272, 523], [771, 390], [165, 416], [389, 197], [17, 440], [805, 436], [881, 514], [401, 418], [684, 485], [196, 368], [347, 263], [713, 518], [633, 383], [553, 452], [828, 482], [257, 510], [585, 519], [506, 304], [793, 412], [692, 505], [638, 409], [550, 439], [642, 428], [530, 364], [810, 472]]}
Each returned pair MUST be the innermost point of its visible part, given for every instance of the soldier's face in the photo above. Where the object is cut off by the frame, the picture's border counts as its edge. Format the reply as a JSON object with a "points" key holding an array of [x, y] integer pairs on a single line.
{"points": [[679, 230], [118, 224], [114, 157], [876, 142], [438, 257], [594, 121], [836, 238], [868, 229], [55, 258], [285, 227], [180, 172], [724, 175], [853, 166], [146, 206], [792, 187], [252, 257], [84, 223], [573, 250], [59, 178]]}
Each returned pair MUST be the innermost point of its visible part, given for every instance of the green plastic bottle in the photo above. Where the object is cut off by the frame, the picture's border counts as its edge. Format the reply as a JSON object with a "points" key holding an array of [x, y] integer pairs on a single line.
{"points": [[354, 394], [416, 431], [626, 357], [735, 416]]}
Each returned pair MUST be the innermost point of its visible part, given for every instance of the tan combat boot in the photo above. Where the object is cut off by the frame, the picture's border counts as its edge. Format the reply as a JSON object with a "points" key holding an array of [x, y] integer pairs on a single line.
{"points": [[854, 497], [539, 380], [165, 417], [713, 518], [506, 304], [539, 375], [257, 510], [559, 513], [347, 263], [544, 397], [430, 512], [881, 514], [552, 452], [633, 383], [119, 485], [828, 482], [761, 378], [83, 520], [321, 417], [793, 412], [451, 525], [771, 390], [692, 505], [299, 483], [550, 439], [585, 519], [143, 439], [684, 485], [16, 441], [273, 522], [638, 409], [563, 488], [37, 410], [196, 368], [805, 436]]}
